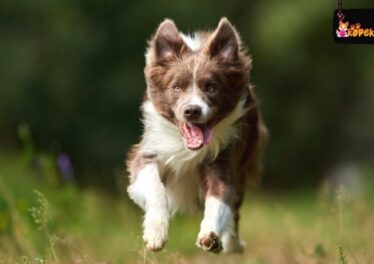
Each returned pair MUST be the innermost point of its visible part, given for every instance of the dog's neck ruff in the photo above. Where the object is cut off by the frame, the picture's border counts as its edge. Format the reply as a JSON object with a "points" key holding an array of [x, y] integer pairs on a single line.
{"points": [[163, 138]]}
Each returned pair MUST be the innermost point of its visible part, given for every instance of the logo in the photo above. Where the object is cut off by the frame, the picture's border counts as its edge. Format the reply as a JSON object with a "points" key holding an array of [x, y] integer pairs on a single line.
{"points": [[354, 26], [342, 31], [353, 31]]}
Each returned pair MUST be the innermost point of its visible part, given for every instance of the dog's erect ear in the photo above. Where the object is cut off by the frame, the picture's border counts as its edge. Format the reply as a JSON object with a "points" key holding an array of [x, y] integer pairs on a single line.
{"points": [[167, 41], [225, 41]]}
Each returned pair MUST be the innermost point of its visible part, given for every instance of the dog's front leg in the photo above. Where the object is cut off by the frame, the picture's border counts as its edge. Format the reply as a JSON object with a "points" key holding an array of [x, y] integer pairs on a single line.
{"points": [[218, 216], [149, 193]]}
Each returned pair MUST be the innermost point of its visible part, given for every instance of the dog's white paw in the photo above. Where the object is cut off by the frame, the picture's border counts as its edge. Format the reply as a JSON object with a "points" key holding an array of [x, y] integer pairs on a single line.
{"points": [[209, 242], [155, 238], [155, 231]]}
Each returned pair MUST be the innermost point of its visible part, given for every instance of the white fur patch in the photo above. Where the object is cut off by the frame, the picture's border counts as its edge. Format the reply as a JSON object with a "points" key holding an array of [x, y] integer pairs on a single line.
{"points": [[149, 193], [164, 139], [193, 42], [147, 189], [218, 218], [156, 225], [197, 99]]}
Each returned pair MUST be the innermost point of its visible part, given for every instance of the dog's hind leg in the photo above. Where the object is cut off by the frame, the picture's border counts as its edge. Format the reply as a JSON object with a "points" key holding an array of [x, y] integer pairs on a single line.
{"points": [[149, 193]]}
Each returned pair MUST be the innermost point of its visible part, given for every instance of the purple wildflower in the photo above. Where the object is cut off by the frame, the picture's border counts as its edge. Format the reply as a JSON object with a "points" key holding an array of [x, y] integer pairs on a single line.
{"points": [[65, 167]]}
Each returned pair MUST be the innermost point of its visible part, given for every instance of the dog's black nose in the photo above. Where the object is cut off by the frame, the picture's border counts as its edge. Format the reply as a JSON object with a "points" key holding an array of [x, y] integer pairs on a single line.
{"points": [[192, 112]]}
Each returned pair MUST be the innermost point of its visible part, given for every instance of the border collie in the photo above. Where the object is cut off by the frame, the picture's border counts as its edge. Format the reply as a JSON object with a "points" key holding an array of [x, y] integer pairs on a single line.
{"points": [[203, 134]]}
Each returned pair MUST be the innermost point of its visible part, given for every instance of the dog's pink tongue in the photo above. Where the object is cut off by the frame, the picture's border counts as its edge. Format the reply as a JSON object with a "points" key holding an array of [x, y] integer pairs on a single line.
{"points": [[195, 138], [198, 136], [207, 134]]}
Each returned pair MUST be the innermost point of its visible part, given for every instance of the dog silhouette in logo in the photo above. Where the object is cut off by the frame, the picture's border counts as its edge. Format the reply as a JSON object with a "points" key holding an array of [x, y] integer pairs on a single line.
{"points": [[342, 31]]}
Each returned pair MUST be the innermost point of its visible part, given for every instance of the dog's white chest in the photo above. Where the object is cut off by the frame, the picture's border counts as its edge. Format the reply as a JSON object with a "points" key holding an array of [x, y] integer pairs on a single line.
{"points": [[163, 139]]}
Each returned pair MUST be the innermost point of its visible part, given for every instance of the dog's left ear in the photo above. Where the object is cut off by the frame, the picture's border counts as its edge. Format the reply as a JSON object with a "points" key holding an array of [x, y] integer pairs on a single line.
{"points": [[225, 41]]}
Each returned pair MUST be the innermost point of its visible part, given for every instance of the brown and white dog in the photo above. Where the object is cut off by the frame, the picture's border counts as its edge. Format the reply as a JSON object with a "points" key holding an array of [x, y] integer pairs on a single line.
{"points": [[203, 134]]}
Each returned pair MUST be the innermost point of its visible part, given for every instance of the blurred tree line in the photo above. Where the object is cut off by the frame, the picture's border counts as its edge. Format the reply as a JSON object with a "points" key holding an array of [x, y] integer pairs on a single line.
{"points": [[73, 71]]}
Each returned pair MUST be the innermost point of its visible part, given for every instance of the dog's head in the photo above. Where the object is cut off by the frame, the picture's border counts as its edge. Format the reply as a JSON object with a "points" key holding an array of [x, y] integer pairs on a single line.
{"points": [[197, 81], [343, 25]]}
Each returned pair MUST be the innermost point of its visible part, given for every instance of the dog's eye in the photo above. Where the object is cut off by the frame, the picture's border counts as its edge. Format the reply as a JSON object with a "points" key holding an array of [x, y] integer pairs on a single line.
{"points": [[211, 88], [176, 88]]}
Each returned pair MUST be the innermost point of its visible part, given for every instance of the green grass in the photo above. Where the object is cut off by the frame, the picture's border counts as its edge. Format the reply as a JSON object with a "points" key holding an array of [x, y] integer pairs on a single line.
{"points": [[44, 222]]}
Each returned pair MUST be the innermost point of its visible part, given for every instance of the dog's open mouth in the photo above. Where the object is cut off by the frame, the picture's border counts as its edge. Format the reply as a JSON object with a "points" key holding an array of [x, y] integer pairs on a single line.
{"points": [[195, 135]]}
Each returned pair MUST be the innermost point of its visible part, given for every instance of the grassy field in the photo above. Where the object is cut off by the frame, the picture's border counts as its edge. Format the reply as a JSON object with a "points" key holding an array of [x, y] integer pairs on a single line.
{"points": [[42, 221]]}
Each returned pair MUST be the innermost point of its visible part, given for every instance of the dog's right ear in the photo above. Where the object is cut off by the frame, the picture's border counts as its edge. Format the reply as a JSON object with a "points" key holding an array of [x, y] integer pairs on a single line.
{"points": [[167, 42]]}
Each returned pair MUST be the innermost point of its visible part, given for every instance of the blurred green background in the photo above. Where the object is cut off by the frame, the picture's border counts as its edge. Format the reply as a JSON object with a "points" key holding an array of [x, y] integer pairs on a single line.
{"points": [[71, 83], [73, 72]]}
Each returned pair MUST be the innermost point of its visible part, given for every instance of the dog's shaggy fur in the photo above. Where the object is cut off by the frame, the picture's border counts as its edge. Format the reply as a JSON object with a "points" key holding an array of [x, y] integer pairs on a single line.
{"points": [[203, 134]]}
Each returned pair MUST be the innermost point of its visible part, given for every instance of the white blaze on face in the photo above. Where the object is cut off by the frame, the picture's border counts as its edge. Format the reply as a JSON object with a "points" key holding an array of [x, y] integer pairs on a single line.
{"points": [[193, 97], [196, 98], [194, 131]]}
